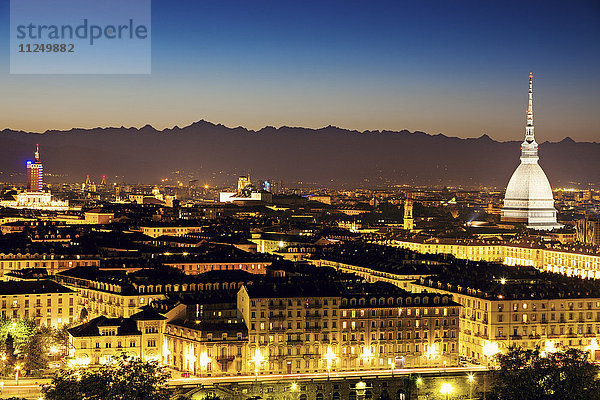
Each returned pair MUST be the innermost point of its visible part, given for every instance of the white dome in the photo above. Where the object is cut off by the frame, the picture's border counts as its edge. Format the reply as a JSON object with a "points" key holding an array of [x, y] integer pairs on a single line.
{"points": [[529, 198], [529, 182]]}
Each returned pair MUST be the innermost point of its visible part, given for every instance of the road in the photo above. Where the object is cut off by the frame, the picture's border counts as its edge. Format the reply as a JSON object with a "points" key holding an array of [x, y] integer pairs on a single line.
{"points": [[212, 380], [30, 388]]}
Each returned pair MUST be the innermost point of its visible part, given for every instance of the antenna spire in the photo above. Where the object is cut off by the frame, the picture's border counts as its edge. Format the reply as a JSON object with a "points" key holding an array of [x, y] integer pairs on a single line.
{"points": [[37, 153]]}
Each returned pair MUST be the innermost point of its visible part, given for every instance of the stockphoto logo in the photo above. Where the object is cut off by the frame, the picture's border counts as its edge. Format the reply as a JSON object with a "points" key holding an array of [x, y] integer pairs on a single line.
{"points": [[83, 31], [80, 37]]}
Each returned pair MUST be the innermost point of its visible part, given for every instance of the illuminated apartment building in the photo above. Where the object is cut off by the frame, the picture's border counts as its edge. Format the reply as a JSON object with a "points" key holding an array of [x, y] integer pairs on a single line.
{"points": [[317, 328], [53, 263], [119, 294], [205, 335], [45, 302], [102, 339], [566, 260], [156, 230], [491, 322]]}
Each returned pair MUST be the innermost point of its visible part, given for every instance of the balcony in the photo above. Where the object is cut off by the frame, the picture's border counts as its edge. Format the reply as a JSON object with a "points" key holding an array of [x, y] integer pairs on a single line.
{"points": [[281, 306], [314, 356], [516, 337], [277, 317], [312, 316], [225, 359], [313, 305]]}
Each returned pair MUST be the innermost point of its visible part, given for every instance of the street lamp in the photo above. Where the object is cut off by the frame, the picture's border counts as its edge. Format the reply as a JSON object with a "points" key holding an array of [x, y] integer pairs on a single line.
{"points": [[432, 352], [191, 359], [392, 366], [446, 389], [17, 368], [549, 348], [367, 354], [490, 349], [361, 388], [419, 381], [294, 389], [203, 361], [258, 358], [471, 379], [329, 358], [592, 349]]}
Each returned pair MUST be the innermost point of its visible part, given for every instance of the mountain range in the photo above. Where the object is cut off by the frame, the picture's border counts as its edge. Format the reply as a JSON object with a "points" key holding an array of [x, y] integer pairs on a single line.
{"points": [[215, 154]]}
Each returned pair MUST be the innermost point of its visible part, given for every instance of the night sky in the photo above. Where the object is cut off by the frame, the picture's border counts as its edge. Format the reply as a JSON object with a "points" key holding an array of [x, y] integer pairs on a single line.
{"points": [[456, 67]]}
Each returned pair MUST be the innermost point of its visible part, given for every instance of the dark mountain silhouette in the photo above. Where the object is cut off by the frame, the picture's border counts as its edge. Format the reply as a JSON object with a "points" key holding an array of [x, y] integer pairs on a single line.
{"points": [[329, 155]]}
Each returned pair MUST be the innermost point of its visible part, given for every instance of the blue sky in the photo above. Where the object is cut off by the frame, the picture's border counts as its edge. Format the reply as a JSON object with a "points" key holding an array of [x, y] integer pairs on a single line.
{"points": [[457, 67]]}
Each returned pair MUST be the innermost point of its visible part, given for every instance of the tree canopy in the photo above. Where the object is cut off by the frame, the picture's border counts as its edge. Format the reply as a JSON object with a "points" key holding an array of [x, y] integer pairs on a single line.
{"points": [[125, 378], [532, 375]]}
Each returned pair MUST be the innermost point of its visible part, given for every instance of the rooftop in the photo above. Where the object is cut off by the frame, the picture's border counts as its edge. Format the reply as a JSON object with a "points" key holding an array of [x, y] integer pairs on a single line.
{"points": [[31, 287]]}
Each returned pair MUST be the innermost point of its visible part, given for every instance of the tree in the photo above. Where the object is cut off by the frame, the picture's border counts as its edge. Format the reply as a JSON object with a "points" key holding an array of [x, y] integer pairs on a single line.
{"points": [[20, 331], [9, 347], [126, 378], [36, 353], [531, 375]]}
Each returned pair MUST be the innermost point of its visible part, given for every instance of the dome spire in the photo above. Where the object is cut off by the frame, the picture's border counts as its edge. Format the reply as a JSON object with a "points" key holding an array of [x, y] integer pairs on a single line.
{"points": [[529, 135], [529, 148]]}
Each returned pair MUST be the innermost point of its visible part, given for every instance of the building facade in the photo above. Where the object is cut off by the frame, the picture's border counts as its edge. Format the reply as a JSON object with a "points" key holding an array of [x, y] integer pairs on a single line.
{"points": [[101, 339], [323, 330], [43, 301], [562, 260], [53, 263]]}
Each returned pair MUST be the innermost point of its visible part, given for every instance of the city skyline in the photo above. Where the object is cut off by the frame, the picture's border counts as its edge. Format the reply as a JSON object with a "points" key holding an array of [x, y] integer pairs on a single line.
{"points": [[339, 200], [455, 69]]}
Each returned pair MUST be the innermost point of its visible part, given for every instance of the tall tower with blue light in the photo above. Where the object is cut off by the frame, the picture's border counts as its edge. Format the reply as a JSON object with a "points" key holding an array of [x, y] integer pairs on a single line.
{"points": [[35, 173]]}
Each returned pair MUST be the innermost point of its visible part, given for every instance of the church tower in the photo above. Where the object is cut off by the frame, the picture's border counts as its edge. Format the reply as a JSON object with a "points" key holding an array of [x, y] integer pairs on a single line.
{"points": [[408, 222]]}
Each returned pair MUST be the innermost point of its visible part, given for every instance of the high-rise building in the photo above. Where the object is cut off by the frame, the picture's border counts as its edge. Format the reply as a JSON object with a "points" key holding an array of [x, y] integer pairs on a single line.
{"points": [[528, 195], [35, 173]]}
